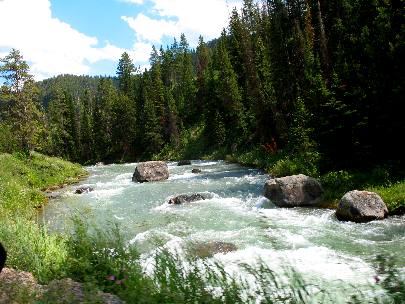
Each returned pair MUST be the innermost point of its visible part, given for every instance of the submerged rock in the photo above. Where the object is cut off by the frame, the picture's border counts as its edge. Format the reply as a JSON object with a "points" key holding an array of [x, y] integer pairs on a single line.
{"points": [[361, 206], [206, 250], [188, 198], [293, 191], [82, 190], [196, 171], [53, 195], [184, 163], [151, 171]]}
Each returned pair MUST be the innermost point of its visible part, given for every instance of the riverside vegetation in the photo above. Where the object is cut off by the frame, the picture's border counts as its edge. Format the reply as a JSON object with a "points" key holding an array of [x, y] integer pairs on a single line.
{"points": [[293, 86]]}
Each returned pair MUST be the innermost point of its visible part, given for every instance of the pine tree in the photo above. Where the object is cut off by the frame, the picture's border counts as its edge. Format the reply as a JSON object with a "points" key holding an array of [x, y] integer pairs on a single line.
{"points": [[186, 84], [171, 130], [86, 127], [106, 96], [123, 122], [125, 70], [152, 140], [57, 117], [72, 128], [203, 64], [228, 94], [19, 93]]}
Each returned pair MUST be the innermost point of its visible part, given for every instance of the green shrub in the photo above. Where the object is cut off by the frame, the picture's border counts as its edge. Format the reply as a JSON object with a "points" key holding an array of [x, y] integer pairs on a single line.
{"points": [[393, 196], [304, 163], [31, 248]]}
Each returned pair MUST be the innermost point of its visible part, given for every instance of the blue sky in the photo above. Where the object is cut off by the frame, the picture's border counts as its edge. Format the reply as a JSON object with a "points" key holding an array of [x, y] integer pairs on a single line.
{"points": [[88, 36]]}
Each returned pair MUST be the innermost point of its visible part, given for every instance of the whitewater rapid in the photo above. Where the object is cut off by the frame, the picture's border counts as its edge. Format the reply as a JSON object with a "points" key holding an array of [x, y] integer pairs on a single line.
{"points": [[312, 241]]}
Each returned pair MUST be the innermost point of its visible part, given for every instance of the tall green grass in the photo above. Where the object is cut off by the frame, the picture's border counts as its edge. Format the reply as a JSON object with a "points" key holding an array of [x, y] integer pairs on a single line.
{"points": [[22, 179]]}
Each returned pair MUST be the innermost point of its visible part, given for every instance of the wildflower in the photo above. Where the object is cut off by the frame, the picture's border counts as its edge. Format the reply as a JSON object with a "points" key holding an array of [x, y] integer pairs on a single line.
{"points": [[110, 278]]}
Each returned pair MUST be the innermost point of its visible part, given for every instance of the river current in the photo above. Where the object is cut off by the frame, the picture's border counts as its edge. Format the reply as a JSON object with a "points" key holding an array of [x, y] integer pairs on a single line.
{"points": [[312, 241]]}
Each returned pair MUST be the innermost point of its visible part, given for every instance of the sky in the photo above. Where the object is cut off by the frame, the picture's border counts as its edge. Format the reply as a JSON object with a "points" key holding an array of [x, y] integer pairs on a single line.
{"points": [[87, 37]]}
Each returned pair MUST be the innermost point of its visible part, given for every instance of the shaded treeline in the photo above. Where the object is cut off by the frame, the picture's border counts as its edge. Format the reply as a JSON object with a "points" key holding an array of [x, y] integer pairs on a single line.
{"points": [[323, 79]]}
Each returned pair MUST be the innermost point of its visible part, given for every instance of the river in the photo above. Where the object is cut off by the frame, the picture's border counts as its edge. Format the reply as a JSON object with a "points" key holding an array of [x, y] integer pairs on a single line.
{"points": [[325, 251]]}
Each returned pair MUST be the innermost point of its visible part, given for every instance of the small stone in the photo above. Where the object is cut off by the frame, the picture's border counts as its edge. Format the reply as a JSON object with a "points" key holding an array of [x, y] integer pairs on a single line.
{"points": [[82, 190], [188, 198]]}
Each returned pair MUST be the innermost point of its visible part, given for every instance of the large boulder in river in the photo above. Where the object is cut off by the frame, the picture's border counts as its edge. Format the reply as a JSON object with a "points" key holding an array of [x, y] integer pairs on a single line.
{"points": [[293, 191], [361, 206], [188, 198], [151, 171], [184, 163]]}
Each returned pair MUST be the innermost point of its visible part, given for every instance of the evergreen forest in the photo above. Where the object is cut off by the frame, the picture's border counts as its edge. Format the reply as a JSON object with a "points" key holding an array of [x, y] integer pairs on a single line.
{"points": [[320, 82]]}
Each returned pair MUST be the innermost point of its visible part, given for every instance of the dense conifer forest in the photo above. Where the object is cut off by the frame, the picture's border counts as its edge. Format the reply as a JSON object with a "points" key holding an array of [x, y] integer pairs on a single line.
{"points": [[321, 81]]}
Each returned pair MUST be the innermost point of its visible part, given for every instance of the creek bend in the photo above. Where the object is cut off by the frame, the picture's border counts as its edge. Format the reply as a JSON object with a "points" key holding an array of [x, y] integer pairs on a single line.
{"points": [[312, 241]]}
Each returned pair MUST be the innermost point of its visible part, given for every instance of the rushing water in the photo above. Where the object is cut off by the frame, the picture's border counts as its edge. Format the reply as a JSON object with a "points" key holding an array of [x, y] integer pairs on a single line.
{"points": [[310, 240]]}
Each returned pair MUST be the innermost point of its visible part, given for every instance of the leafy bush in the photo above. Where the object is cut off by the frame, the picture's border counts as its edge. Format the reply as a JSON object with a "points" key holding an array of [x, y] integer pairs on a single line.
{"points": [[393, 196], [31, 248], [303, 163]]}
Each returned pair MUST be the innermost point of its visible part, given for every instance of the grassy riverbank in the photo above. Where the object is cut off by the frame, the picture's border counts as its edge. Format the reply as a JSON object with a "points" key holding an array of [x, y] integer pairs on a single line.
{"points": [[22, 179]]}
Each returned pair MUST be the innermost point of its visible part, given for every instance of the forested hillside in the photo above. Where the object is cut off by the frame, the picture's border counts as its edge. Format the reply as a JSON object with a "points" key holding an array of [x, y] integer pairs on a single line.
{"points": [[319, 80]]}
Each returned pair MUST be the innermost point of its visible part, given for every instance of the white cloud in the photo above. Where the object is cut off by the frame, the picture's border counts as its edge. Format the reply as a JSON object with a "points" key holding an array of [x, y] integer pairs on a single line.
{"points": [[141, 52], [133, 1], [51, 46], [148, 29], [192, 17]]}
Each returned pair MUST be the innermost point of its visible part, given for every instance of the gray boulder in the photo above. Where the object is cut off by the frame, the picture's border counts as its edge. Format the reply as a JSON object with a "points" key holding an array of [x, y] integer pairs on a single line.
{"points": [[361, 206], [196, 171], [151, 171], [188, 198], [184, 163], [293, 191]]}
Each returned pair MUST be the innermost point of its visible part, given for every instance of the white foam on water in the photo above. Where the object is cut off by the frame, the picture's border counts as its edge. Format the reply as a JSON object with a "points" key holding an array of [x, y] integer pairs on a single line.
{"points": [[106, 193], [206, 164], [130, 165], [225, 235], [316, 262], [119, 217], [262, 202], [124, 176], [284, 235], [114, 183], [298, 216], [187, 176], [152, 235]]}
